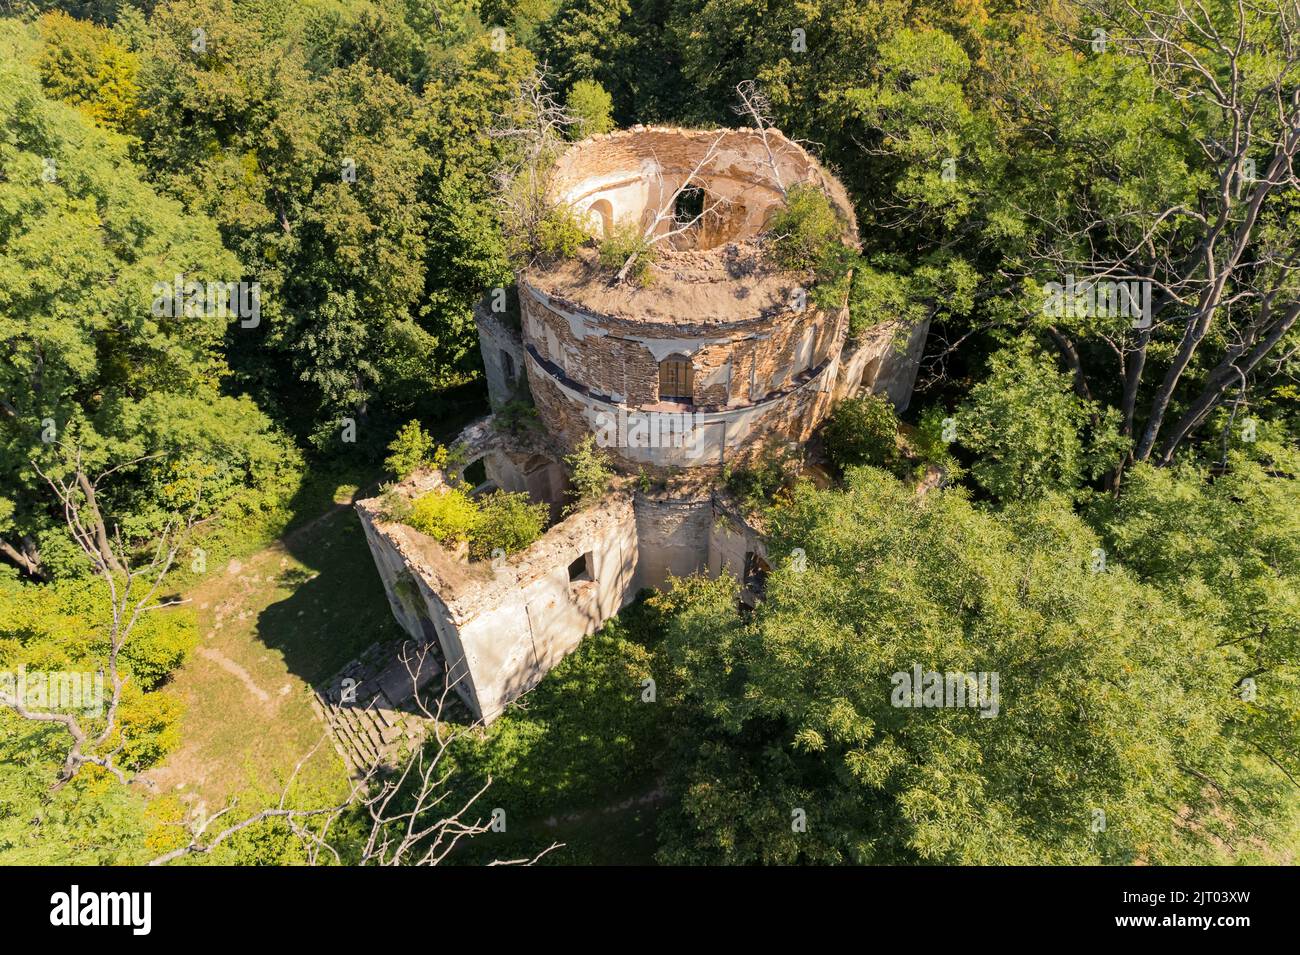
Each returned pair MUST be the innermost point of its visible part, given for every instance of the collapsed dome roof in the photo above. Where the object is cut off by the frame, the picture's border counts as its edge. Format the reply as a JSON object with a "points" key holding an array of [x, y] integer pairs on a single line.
{"points": [[707, 265]]}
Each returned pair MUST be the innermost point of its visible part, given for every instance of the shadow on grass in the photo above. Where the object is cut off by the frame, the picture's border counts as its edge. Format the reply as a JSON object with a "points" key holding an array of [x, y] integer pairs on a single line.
{"points": [[575, 761], [337, 607], [578, 759]]}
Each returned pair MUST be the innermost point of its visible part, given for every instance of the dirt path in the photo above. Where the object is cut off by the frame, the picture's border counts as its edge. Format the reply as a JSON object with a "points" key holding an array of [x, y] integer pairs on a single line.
{"points": [[248, 718]]}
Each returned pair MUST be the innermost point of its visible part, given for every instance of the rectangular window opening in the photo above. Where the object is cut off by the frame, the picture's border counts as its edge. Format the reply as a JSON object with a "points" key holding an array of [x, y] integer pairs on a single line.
{"points": [[580, 569], [475, 473]]}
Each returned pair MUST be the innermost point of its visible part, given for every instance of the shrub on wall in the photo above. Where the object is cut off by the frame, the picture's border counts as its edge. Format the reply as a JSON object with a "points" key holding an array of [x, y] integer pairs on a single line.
{"points": [[560, 234], [508, 522], [765, 477], [449, 515], [628, 243], [806, 233], [499, 521], [801, 229], [589, 473], [863, 431], [412, 449]]}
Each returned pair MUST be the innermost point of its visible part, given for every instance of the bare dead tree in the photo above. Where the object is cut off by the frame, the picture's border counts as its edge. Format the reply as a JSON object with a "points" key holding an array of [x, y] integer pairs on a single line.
{"points": [[414, 815], [755, 106], [132, 591], [1227, 269], [666, 212], [1222, 263], [536, 125]]}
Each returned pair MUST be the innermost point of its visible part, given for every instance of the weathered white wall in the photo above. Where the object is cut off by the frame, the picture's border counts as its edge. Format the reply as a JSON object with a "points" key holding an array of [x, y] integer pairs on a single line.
{"points": [[672, 537], [502, 629], [494, 337], [536, 616], [882, 363], [416, 605], [715, 433], [896, 375], [730, 539]]}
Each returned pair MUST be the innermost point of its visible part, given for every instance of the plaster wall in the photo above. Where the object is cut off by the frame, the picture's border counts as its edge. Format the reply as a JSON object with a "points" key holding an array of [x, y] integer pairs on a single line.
{"points": [[716, 438], [636, 169], [496, 339], [502, 628]]}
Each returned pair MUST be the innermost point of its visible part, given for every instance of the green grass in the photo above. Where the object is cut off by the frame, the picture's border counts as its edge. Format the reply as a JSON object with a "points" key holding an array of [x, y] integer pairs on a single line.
{"points": [[577, 760], [272, 622], [290, 596], [320, 489]]}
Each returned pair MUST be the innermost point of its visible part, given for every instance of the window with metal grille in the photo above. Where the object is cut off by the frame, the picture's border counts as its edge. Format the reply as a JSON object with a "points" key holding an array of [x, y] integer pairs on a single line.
{"points": [[676, 379]]}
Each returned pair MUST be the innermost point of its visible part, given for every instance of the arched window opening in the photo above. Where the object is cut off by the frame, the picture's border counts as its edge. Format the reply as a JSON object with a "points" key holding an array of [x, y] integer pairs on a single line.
{"points": [[604, 211], [689, 205], [676, 379]]}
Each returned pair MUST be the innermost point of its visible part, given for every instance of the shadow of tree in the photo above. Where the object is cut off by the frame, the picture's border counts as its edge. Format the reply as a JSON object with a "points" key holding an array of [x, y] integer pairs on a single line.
{"points": [[337, 607]]}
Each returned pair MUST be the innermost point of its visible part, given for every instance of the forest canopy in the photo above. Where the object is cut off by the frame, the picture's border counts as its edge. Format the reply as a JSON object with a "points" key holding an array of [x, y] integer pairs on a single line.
{"points": [[241, 242]]}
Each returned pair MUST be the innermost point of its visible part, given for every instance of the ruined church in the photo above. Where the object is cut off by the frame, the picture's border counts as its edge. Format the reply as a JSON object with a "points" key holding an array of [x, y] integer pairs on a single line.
{"points": [[718, 358]]}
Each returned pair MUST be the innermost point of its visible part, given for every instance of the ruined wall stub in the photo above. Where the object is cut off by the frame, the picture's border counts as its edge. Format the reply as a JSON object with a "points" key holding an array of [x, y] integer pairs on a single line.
{"points": [[502, 625], [502, 349]]}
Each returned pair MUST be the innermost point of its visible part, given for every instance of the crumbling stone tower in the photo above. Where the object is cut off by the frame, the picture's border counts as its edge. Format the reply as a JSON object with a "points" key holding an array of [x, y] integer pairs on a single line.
{"points": [[718, 332]]}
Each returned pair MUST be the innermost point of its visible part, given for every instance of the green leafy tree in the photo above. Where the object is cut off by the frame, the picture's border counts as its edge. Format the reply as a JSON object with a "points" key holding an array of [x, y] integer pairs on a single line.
{"points": [[315, 184], [792, 716], [89, 361], [1226, 546], [477, 92], [863, 430], [583, 38], [89, 66], [1030, 433], [590, 105], [412, 449]]}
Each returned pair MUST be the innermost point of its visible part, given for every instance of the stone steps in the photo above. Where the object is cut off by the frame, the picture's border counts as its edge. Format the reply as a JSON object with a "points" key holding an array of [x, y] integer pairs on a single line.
{"points": [[370, 727]]}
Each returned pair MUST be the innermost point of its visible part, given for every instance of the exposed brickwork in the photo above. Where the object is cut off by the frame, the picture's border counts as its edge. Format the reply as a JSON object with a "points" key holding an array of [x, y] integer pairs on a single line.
{"points": [[738, 364], [646, 161], [765, 360]]}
